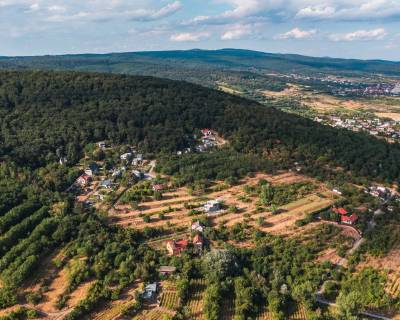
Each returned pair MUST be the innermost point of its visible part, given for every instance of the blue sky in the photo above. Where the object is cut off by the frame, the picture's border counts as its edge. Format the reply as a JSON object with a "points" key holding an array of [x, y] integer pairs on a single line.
{"points": [[336, 28]]}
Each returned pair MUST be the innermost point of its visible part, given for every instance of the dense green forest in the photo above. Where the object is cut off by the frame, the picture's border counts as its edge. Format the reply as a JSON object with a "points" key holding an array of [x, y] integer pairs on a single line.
{"points": [[44, 115]]}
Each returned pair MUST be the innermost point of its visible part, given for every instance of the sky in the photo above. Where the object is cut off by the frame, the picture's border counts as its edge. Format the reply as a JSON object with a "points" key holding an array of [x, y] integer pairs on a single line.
{"points": [[366, 29]]}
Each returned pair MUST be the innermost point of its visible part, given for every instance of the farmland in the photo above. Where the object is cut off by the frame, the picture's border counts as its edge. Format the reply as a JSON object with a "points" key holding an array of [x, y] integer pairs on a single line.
{"points": [[175, 212]]}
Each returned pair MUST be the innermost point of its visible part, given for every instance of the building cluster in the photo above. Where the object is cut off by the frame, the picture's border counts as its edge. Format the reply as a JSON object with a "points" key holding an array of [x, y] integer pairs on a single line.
{"points": [[374, 90], [177, 247], [94, 179], [389, 129], [345, 216], [383, 193], [207, 141]]}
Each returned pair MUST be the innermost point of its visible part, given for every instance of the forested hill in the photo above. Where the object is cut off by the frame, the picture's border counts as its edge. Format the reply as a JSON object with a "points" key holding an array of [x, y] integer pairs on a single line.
{"points": [[43, 112], [173, 63]]}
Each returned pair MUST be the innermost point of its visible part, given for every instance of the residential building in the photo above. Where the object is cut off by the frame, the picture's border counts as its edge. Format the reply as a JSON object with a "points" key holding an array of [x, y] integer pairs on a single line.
{"points": [[212, 206], [83, 180], [106, 184], [349, 220], [198, 242], [167, 270], [197, 226], [150, 291], [175, 248]]}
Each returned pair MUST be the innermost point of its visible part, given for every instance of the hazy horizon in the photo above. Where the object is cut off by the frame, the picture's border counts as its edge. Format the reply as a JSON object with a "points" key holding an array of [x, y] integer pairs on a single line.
{"points": [[193, 49]]}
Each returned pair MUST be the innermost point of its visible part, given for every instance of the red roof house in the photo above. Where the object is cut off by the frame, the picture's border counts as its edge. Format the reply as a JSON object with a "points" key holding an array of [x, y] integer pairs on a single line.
{"points": [[206, 132], [350, 220], [84, 180], [175, 248], [198, 240], [341, 211]]}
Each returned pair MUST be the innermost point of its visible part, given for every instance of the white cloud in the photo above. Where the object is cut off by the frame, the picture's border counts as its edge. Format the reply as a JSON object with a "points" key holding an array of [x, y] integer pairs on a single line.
{"points": [[57, 8], [95, 12], [167, 10], [271, 10], [360, 35], [237, 32], [34, 7], [189, 37], [316, 12], [297, 33]]}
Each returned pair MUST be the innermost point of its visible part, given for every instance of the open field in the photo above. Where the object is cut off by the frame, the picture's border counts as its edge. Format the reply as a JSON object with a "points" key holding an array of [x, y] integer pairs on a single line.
{"points": [[171, 214], [225, 88], [390, 115], [388, 107]]}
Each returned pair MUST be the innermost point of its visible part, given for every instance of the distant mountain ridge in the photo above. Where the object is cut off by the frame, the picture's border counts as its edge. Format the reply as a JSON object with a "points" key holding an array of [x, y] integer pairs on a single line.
{"points": [[231, 59]]}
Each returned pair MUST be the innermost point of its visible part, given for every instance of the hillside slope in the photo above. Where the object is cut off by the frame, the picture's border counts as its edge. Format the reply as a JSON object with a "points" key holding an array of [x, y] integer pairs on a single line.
{"points": [[43, 112], [232, 59]]}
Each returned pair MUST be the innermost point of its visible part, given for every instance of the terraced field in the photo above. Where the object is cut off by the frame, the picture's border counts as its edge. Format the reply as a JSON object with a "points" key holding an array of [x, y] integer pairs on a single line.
{"points": [[154, 314], [298, 314], [169, 297], [171, 214], [196, 299]]}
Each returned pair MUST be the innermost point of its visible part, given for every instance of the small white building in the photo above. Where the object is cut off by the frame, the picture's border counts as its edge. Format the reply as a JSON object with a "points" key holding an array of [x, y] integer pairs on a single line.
{"points": [[197, 226], [101, 145], [126, 156], [212, 206]]}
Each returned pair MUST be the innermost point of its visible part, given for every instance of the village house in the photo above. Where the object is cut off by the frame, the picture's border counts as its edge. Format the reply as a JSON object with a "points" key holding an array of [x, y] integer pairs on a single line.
{"points": [[126, 156], [138, 174], [175, 248], [166, 270], [197, 227], [340, 211], [337, 191], [198, 242], [83, 180], [106, 184], [206, 132], [349, 220], [212, 206], [92, 169], [150, 291], [137, 160], [101, 145]]}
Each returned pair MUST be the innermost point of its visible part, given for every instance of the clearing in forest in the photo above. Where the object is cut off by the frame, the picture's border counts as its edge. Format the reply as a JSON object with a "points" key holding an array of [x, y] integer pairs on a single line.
{"points": [[173, 213]]}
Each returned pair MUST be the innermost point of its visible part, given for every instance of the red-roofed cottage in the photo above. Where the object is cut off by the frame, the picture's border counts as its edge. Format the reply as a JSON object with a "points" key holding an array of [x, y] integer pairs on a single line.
{"points": [[341, 211], [350, 220], [175, 248]]}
